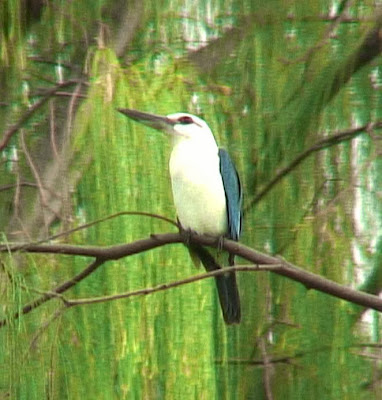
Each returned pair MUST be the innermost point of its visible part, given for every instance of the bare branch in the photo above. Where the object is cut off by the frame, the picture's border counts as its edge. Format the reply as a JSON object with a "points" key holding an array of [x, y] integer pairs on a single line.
{"points": [[37, 177], [268, 370], [28, 114], [276, 265], [131, 21], [109, 217], [55, 292], [57, 314], [320, 145], [207, 58], [335, 20], [27, 184], [166, 286], [289, 358]]}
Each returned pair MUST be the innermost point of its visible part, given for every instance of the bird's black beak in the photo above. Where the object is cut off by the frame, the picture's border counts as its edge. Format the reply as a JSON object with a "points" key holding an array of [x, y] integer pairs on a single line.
{"points": [[151, 120]]}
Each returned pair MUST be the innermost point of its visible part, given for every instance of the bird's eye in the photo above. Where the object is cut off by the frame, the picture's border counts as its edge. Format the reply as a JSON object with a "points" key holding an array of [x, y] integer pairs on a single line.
{"points": [[185, 120]]}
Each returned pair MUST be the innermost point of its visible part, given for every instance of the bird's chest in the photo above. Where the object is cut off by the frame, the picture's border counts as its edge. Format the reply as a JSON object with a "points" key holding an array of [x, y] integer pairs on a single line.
{"points": [[198, 189]]}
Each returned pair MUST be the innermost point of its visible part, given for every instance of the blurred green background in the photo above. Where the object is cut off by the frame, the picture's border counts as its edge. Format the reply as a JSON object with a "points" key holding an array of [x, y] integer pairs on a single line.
{"points": [[271, 79]]}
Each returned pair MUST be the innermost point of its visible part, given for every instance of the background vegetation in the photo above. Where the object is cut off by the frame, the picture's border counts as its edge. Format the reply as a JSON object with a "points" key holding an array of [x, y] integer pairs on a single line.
{"points": [[272, 79]]}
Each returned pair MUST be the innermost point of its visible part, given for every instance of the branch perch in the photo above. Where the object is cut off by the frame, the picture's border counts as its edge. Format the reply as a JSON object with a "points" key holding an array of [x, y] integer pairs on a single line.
{"points": [[261, 262]]}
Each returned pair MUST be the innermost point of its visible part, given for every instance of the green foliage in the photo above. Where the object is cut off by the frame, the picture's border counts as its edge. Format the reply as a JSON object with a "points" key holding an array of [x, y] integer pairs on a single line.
{"points": [[271, 87]]}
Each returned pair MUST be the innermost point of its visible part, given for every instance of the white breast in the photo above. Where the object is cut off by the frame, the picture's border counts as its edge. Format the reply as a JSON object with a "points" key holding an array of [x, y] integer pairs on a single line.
{"points": [[198, 189]]}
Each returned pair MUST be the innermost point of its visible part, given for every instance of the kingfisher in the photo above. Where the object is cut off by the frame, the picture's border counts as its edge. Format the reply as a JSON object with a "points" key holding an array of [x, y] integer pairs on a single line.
{"points": [[206, 191]]}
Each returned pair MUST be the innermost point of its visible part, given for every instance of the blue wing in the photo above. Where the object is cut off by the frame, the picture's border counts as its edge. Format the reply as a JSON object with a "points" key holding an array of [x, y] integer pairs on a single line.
{"points": [[233, 194]]}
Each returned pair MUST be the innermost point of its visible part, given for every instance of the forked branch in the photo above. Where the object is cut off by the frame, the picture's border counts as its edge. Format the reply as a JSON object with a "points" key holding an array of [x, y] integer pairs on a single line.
{"points": [[260, 262]]}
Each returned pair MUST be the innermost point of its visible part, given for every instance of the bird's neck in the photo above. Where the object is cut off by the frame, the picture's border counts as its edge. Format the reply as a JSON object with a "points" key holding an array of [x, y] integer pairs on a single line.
{"points": [[197, 146], [191, 157]]}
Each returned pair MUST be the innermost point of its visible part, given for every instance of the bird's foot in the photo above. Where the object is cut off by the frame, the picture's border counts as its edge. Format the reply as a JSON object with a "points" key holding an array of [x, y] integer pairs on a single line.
{"points": [[186, 234], [220, 243]]}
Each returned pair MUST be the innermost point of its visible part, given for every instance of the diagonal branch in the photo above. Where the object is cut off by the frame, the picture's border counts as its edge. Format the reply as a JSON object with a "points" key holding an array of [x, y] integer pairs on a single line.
{"points": [[53, 294], [28, 114], [320, 145]]}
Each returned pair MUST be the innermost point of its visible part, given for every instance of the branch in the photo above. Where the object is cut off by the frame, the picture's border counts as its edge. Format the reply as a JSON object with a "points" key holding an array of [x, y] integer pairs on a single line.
{"points": [[19, 247], [290, 358], [15, 185], [55, 292], [320, 145], [332, 78], [335, 20], [28, 114], [268, 369], [208, 57], [369, 49], [269, 263], [165, 286]]}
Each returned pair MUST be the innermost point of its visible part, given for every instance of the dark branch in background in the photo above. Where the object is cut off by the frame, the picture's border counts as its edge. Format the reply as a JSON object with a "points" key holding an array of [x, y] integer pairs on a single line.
{"points": [[210, 56], [54, 63], [37, 177], [311, 97], [103, 254], [290, 358], [307, 57], [335, 21], [131, 21], [207, 58], [369, 49], [56, 291], [15, 185], [28, 114], [320, 145], [268, 369]]}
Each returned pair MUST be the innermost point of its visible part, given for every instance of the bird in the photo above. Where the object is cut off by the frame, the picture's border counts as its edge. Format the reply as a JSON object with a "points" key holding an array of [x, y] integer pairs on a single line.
{"points": [[207, 193]]}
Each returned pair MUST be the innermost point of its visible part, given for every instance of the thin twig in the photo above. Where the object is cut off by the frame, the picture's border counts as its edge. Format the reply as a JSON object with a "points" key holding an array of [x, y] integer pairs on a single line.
{"points": [[41, 191], [267, 370], [335, 20], [167, 286], [28, 114], [20, 247], [28, 184], [52, 130], [109, 217], [45, 326]]}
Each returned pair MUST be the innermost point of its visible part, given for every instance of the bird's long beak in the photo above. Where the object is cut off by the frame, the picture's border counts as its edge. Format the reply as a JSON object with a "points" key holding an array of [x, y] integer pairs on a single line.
{"points": [[151, 120]]}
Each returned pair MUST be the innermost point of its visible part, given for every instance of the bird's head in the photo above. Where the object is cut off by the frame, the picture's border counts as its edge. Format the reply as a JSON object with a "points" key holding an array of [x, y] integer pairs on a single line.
{"points": [[181, 126]]}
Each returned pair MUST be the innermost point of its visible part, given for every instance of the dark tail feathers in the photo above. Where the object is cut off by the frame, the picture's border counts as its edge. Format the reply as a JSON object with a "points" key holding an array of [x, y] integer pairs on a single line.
{"points": [[226, 285]]}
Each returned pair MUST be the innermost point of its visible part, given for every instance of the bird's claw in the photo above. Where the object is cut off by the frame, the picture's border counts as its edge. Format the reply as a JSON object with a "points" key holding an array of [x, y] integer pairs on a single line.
{"points": [[220, 243], [186, 234]]}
